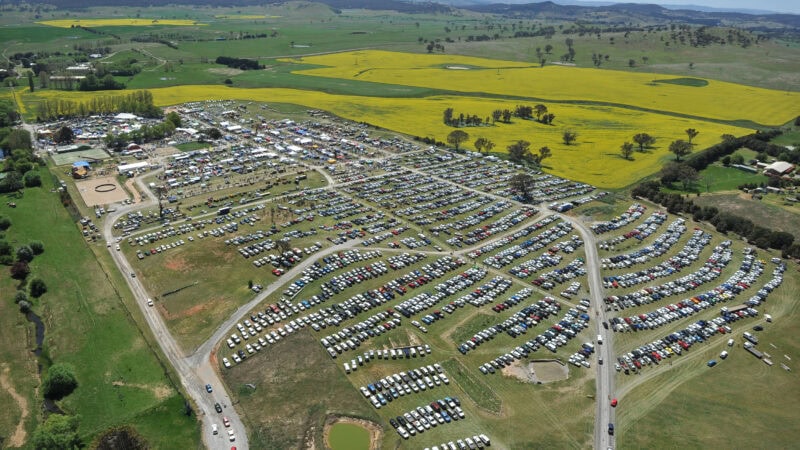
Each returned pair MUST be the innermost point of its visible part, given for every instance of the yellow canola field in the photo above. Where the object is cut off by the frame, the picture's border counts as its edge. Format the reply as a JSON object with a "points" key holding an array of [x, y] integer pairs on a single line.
{"points": [[594, 158], [68, 23], [717, 101]]}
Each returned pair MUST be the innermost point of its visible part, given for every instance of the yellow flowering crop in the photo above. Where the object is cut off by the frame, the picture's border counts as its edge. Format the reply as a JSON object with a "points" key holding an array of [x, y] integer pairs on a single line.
{"points": [[468, 75], [594, 158]]}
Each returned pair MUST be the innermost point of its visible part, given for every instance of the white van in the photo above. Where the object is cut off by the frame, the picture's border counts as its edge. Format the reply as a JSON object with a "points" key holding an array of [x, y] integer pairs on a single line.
{"points": [[599, 338], [214, 429]]}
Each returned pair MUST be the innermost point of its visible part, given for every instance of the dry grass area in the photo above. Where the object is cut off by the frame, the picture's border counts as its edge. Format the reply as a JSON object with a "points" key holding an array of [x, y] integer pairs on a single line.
{"points": [[761, 212]]}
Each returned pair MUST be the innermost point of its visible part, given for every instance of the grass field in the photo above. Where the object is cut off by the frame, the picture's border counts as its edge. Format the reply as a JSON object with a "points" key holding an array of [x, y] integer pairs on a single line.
{"points": [[137, 22], [87, 325], [769, 211], [716, 178]]}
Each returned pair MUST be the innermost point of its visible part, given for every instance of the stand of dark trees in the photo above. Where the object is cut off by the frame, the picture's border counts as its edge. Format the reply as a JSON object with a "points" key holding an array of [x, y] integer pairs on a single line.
{"points": [[137, 102], [238, 63], [758, 141], [723, 221]]}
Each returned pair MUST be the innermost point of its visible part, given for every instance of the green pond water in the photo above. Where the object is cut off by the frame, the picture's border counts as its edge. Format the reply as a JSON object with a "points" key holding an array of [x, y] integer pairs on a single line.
{"points": [[346, 436]]}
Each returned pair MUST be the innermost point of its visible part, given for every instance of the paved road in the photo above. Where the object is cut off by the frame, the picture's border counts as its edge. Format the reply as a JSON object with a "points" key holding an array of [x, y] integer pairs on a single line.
{"points": [[604, 380], [193, 376]]}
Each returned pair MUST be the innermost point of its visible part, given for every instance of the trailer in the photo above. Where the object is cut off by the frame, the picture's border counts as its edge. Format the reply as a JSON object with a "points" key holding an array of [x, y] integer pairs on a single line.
{"points": [[755, 352]]}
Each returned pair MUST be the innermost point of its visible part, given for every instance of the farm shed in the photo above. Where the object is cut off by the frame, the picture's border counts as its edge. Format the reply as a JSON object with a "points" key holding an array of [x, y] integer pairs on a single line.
{"points": [[779, 168]]}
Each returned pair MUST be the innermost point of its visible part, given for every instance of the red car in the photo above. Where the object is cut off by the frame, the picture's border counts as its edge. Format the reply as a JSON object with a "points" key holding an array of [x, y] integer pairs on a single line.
{"points": [[614, 402], [226, 422]]}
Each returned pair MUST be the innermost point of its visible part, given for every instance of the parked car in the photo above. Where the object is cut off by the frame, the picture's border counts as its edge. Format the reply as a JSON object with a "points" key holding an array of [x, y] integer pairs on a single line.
{"points": [[218, 407]]}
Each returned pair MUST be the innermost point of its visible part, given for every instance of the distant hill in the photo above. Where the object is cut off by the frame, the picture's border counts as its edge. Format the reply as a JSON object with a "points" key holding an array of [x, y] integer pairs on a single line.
{"points": [[597, 13], [636, 12]]}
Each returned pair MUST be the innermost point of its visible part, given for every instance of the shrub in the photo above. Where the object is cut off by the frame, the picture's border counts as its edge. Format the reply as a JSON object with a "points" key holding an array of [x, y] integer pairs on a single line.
{"points": [[38, 288], [59, 382], [20, 270], [5, 223], [20, 296], [37, 247]]}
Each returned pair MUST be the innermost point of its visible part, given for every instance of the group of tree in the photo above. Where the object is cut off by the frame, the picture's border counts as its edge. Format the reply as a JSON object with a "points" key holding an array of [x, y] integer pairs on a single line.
{"points": [[58, 432], [20, 165], [239, 63], [483, 145], [136, 102], [525, 112], [462, 120], [723, 221], [145, 133], [94, 83], [520, 152]]}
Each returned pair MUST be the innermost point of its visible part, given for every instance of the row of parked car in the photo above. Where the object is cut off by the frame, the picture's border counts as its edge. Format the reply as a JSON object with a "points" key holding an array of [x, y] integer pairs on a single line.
{"points": [[386, 353], [515, 325], [534, 243], [633, 214], [477, 441], [700, 331], [742, 279], [708, 272], [640, 232], [422, 418], [684, 258], [505, 240], [660, 246], [403, 383], [555, 336]]}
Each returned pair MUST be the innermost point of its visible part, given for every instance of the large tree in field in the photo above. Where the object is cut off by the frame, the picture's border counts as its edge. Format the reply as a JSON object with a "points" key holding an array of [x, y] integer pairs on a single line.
{"points": [[447, 116], [691, 133], [522, 184], [544, 153], [58, 432], [519, 151], [680, 148], [643, 140], [457, 137], [483, 145], [539, 110], [59, 382], [626, 149], [569, 136]]}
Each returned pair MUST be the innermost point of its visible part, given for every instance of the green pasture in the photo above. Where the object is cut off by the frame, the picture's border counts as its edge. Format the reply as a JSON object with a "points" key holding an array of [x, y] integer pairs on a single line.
{"points": [[90, 326]]}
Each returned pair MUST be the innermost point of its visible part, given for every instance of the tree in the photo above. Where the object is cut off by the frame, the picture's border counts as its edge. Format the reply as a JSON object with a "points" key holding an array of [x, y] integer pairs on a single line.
{"points": [[569, 136], [737, 159], [37, 288], [762, 157], [726, 160], [631, 62], [20, 270], [626, 149], [24, 306], [32, 179], [20, 296], [212, 133], [457, 137], [59, 382], [728, 138], [644, 140], [483, 145], [30, 81], [18, 138], [539, 110], [447, 116], [59, 432], [12, 182], [691, 133], [24, 253], [544, 153], [37, 247], [64, 135], [519, 151], [5, 223], [496, 115], [680, 148], [548, 48], [687, 176], [522, 184], [174, 118]]}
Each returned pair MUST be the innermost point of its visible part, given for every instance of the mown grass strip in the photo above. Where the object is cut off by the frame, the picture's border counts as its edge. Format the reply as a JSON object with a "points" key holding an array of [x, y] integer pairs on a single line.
{"points": [[478, 391]]}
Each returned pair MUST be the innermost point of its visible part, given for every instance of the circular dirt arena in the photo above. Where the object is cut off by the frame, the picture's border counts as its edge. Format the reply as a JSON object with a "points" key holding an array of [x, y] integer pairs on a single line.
{"points": [[101, 191]]}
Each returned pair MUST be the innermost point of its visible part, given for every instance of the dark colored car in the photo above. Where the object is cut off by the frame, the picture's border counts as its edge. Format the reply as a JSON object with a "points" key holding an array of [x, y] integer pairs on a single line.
{"points": [[218, 407]]}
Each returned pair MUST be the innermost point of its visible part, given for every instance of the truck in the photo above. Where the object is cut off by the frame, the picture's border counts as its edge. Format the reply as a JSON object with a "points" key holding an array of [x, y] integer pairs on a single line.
{"points": [[599, 338]]}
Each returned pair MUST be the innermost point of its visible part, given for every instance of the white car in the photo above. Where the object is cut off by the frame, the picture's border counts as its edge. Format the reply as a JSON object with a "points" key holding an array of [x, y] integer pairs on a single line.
{"points": [[149, 302], [231, 437], [226, 363]]}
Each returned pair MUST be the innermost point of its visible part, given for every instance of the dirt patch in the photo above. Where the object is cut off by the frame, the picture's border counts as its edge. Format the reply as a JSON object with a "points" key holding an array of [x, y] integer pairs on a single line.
{"points": [[176, 264], [225, 71], [18, 438], [130, 185], [538, 372], [194, 310], [110, 191], [375, 430], [160, 391]]}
